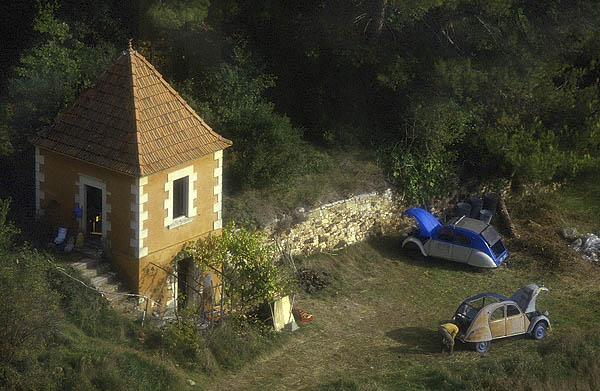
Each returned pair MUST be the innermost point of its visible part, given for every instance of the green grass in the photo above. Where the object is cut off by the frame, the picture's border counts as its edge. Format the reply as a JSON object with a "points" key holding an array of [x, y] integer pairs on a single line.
{"points": [[342, 174], [374, 326], [92, 346]]}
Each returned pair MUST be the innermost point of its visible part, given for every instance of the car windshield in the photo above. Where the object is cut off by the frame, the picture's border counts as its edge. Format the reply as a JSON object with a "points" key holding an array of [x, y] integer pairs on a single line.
{"points": [[498, 248], [490, 235], [481, 302], [470, 309]]}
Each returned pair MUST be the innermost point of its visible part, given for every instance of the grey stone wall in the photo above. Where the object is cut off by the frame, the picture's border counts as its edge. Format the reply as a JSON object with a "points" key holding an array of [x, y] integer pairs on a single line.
{"points": [[340, 223]]}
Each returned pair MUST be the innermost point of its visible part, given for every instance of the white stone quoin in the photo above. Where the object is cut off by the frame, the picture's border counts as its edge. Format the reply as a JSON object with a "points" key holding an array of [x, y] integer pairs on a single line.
{"points": [[139, 217], [218, 190]]}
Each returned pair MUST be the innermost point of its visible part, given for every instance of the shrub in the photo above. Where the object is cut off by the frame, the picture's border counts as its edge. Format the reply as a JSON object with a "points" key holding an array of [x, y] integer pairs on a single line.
{"points": [[7, 228], [88, 310], [267, 149], [244, 263], [28, 305], [187, 344], [422, 162]]}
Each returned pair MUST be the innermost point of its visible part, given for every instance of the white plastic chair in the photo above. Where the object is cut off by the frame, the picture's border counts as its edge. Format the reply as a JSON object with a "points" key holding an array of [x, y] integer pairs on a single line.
{"points": [[61, 236]]}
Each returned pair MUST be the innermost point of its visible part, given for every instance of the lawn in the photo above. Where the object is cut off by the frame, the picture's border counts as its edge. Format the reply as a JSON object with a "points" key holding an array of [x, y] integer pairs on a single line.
{"points": [[375, 325], [374, 328]]}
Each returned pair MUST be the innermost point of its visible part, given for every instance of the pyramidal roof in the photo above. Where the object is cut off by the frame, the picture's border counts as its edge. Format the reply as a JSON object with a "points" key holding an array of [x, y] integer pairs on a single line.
{"points": [[132, 121]]}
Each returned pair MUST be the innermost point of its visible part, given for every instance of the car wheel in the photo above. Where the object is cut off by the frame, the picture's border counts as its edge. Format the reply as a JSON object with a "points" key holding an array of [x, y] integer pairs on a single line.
{"points": [[539, 331], [412, 249], [482, 347]]}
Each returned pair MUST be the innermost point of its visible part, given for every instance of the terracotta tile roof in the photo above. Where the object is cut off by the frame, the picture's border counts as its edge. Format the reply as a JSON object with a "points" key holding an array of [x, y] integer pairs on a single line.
{"points": [[131, 121]]}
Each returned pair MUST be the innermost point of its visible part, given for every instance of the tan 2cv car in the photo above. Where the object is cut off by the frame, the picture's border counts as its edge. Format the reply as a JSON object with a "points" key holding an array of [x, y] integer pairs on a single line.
{"points": [[489, 316]]}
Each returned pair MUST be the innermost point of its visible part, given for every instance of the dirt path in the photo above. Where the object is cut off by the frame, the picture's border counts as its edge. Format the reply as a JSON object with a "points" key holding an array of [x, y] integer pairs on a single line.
{"points": [[322, 351], [355, 335]]}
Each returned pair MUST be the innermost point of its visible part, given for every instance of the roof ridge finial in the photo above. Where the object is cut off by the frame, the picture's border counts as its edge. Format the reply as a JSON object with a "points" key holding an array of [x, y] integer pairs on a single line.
{"points": [[130, 44]]}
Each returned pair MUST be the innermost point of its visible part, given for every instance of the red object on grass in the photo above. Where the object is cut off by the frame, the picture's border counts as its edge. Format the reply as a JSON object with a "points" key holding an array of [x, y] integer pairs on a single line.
{"points": [[303, 315]]}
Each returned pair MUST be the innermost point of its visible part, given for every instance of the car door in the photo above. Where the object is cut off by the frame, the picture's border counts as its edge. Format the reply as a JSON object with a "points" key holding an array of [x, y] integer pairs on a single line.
{"points": [[441, 244], [498, 322], [461, 247], [515, 320]]}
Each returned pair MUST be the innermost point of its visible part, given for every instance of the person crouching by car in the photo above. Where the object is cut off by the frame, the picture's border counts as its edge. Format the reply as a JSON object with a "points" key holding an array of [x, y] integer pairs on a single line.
{"points": [[448, 332]]}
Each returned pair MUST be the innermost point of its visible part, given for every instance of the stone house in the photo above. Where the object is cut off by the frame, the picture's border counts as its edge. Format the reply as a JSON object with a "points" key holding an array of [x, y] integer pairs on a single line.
{"points": [[140, 169]]}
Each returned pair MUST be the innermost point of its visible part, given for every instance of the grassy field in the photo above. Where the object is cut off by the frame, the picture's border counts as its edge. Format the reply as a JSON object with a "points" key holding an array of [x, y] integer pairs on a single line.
{"points": [[375, 326]]}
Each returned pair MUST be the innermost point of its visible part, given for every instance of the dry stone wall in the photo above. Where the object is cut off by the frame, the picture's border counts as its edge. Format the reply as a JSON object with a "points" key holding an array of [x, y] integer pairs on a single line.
{"points": [[340, 223]]}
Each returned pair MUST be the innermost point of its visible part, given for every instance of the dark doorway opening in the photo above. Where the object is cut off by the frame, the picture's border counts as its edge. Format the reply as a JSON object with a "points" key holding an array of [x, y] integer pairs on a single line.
{"points": [[93, 212]]}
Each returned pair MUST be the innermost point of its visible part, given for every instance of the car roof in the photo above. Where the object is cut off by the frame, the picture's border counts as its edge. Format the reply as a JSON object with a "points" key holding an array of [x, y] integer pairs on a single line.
{"points": [[468, 223], [486, 294]]}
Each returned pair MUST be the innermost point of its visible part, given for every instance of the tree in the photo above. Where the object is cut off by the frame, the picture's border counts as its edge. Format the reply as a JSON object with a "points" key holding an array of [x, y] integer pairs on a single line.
{"points": [[266, 149], [245, 265], [28, 305], [422, 164], [51, 75]]}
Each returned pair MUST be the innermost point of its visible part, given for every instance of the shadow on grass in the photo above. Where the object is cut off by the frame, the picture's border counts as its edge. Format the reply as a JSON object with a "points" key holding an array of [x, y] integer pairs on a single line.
{"points": [[415, 340], [390, 246]]}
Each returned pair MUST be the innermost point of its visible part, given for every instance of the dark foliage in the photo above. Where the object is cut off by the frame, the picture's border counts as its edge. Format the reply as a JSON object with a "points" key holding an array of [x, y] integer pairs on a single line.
{"points": [[491, 90]]}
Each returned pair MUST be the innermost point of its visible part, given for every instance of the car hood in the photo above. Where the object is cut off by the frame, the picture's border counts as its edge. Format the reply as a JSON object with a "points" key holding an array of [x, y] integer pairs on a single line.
{"points": [[427, 222], [526, 297]]}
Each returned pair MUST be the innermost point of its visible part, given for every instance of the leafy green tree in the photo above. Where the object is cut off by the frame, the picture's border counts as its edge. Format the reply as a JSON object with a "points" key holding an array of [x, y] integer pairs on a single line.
{"points": [[245, 265], [51, 75], [7, 228], [266, 149], [177, 38], [422, 165], [28, 305], [6, 147], [174, 14]]}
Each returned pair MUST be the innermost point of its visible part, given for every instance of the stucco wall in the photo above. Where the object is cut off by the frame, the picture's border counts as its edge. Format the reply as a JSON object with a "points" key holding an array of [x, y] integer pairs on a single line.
{"points": [[341, 223], [137, 234], [164, 241], [60, 189]]}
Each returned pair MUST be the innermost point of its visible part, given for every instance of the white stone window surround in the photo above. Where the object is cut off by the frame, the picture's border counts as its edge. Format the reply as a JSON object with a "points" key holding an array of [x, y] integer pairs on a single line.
{"points": [[188, 171], [80, 199], [139, 217], [39, 179]]}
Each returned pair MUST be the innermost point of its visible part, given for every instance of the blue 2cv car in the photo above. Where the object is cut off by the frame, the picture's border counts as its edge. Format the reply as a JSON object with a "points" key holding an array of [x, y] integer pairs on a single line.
{"points": [[463, 239]]}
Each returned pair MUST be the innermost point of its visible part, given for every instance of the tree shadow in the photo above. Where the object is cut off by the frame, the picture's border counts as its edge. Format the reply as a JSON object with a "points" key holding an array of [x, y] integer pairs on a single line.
{"points": [[415, 340], [419, 340]]}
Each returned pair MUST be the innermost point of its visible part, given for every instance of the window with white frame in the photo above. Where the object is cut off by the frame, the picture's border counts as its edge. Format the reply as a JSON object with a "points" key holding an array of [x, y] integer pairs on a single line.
{"points": [[180, 197]]}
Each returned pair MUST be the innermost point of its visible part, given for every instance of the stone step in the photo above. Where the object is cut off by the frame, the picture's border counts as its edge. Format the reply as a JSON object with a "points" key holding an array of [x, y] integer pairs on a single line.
{"points": [[95, 272], [90, 273], [106, 281], [99, 280], [85, 263], [112, 285], [115, 296], [91, 252]]}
